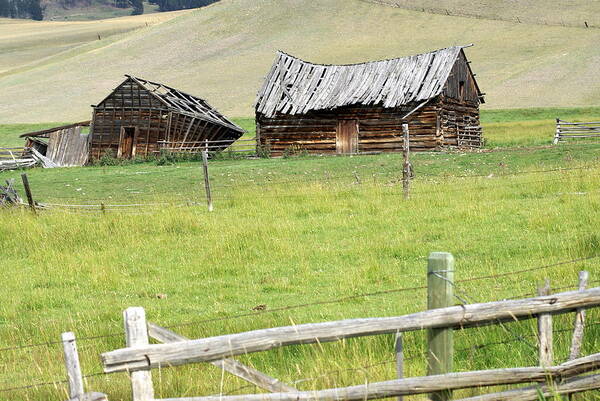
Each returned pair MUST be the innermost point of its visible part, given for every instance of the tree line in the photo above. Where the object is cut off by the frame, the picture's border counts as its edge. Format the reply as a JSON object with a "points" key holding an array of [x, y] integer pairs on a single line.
{"points": [[33, 8], [22, 9], [172, 5]]}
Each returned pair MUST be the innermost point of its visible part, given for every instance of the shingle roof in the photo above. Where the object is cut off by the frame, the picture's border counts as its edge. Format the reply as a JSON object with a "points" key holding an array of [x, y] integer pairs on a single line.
{"points": [[294, 86], [186, 103]]}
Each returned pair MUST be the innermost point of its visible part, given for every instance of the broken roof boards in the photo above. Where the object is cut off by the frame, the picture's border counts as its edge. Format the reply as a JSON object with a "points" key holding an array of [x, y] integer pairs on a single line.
{"points": [[141, 118], [360, 107]]}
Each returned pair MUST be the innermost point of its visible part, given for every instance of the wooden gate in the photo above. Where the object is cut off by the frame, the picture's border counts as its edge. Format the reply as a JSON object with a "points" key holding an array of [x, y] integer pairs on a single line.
{"points": [[347, 136]]}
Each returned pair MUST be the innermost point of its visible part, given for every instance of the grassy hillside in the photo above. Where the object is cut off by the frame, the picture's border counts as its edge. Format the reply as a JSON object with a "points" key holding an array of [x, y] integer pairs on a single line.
{"points": [[572, 12], [223, 51], [27, 44]]}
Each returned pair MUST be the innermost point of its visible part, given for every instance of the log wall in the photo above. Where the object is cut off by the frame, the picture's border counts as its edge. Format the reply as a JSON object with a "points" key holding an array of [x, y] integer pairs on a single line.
{"points": [[379, 130]]}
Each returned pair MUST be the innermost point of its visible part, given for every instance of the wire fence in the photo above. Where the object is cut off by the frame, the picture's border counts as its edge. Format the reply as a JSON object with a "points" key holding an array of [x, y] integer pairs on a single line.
{"points": [[279, 188], [461, 296]]}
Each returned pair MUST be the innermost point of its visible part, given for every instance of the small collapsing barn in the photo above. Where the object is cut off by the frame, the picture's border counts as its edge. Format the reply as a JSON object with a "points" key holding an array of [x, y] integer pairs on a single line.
{"points": [[361, 107], [63, 146], [141, 118]]}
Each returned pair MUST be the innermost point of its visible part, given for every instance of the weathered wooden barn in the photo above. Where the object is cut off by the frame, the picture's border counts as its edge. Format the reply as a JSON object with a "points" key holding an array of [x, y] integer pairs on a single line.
{"points": [[140, 118], [360, 108]]}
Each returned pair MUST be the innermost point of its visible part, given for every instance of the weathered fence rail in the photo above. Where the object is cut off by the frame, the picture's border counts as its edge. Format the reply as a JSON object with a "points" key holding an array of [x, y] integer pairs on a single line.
{"points": [[140, 357], [215, 348], [566, 130]]}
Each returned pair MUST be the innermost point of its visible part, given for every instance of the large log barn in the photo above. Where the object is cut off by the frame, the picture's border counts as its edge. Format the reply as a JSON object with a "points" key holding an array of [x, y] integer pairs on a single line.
{"points": [[360, 108], [141, 118]]}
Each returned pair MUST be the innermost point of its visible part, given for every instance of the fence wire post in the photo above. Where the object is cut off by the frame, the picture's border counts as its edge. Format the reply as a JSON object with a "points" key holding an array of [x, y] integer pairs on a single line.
{"points": [[406, 170], [440, 293], [545, 331], [399, 346], [28, 192], [136, 334], [72, 365], [579, 320], [206, 180]]}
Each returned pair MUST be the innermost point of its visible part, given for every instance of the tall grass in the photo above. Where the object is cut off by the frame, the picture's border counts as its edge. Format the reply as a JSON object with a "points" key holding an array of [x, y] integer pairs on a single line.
{"points": [[287, 232]]}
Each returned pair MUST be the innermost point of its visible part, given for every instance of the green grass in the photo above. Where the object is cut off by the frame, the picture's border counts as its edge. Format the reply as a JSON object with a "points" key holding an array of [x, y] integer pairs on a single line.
{"points": [[287, 232], [9, 133], [517, 65]]}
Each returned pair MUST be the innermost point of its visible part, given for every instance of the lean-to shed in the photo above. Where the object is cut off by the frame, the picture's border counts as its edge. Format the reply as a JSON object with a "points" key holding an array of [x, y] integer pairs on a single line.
{"points": [[361, 107], [140, 118]]}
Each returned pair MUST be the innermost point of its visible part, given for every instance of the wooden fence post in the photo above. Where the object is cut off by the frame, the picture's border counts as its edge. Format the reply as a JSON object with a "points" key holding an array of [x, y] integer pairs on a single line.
{"points": [[440, 293], [206, 180], [399, 359], [557, 134], [28, 192], [406, 167], [72, 364], [545, 331], [136, 334], [579, 320]]}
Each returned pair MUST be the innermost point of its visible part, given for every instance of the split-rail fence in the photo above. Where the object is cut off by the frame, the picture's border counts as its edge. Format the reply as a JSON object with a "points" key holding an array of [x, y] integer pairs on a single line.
{"points": [[566, 130], [139, 357]]}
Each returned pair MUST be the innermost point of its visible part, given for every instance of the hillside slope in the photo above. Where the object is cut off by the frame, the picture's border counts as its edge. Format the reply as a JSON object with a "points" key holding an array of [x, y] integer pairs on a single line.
{"points": [[222, 53], [25, 44], [545, 12]]}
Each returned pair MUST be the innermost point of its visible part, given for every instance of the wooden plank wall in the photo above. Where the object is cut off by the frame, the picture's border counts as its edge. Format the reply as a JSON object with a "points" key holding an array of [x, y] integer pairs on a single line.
{"points": [[380, 130], [152, 127], [68, 147]]}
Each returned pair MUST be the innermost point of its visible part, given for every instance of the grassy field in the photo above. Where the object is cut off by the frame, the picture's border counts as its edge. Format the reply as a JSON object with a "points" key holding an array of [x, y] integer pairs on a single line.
{"points": [[288, 232], [223, 51]]}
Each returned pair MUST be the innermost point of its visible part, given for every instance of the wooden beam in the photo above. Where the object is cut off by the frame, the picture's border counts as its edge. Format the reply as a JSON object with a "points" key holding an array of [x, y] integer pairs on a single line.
{"points": [[232, 366], [424, 384], [577, 338], [546, 342], [215, 348], [136, 335], [532, 393]]}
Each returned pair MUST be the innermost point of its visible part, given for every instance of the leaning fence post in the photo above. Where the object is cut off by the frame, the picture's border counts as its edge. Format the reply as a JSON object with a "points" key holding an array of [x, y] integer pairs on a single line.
{"points": [[545, 331], [399, 359], [206, 180], [72, 365], [136, 334], [28, 192], [406, 167], [579, 320], [440, 293]]}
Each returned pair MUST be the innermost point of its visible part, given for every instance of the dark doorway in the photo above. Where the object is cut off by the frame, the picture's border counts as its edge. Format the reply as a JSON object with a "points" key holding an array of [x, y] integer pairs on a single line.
{"points": [[127, 143]]}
